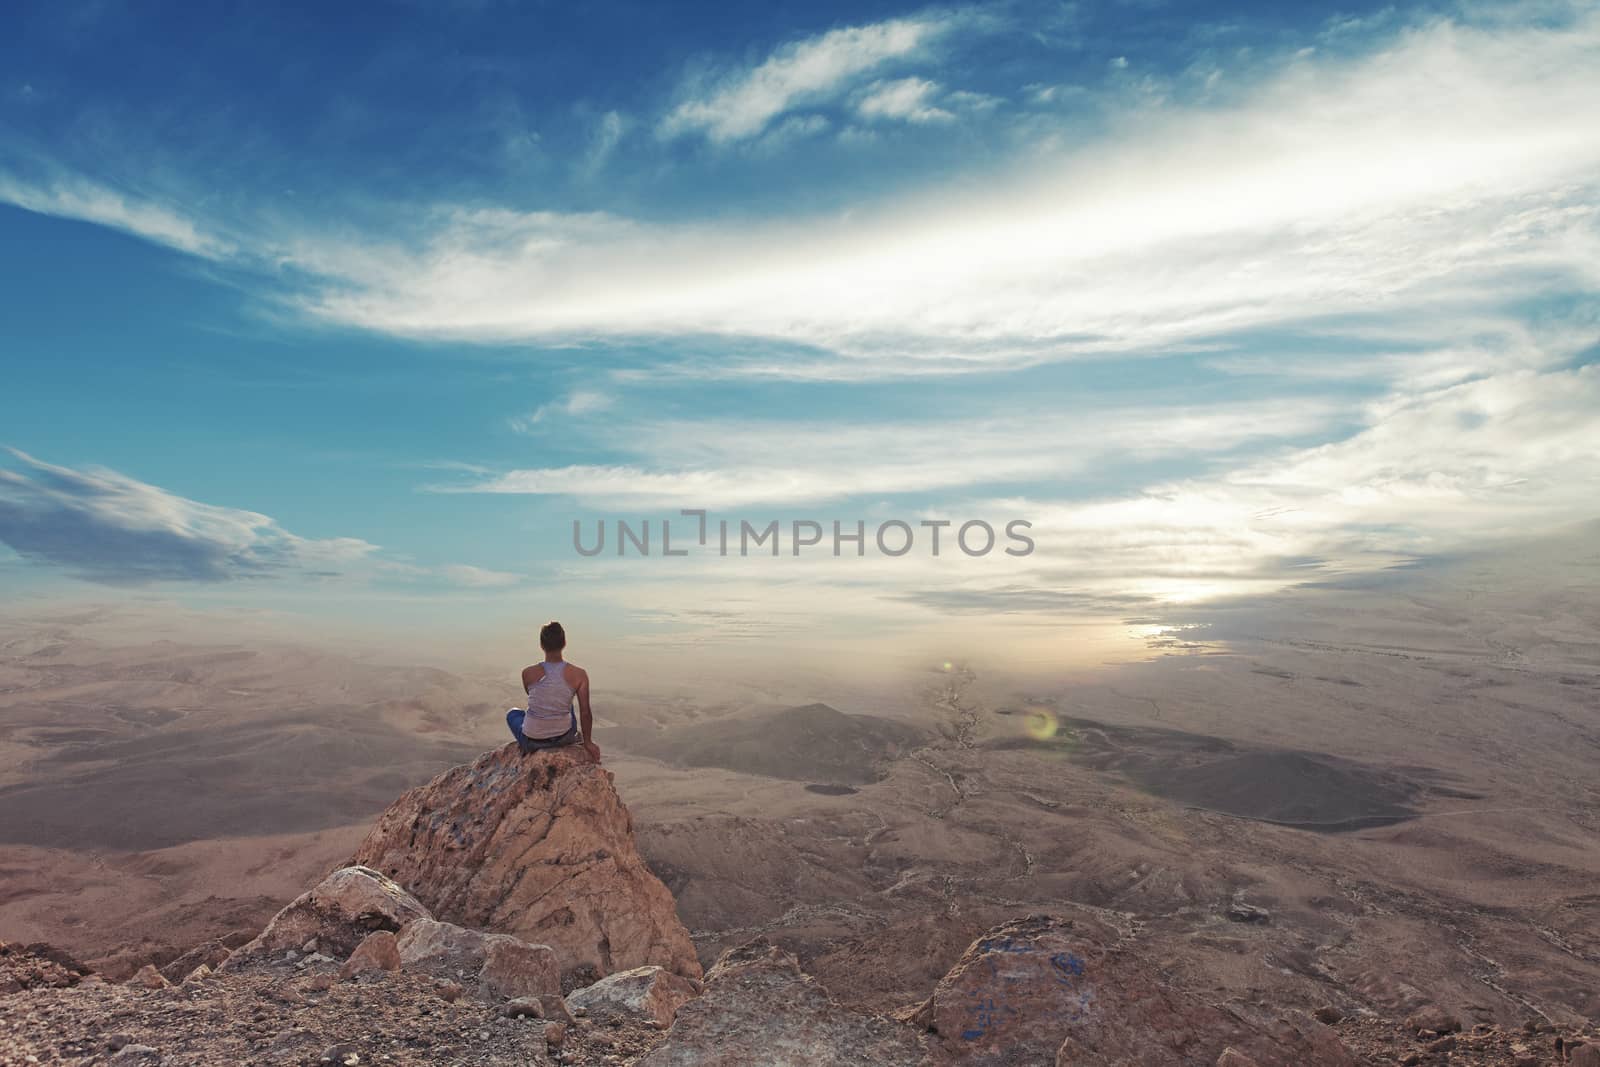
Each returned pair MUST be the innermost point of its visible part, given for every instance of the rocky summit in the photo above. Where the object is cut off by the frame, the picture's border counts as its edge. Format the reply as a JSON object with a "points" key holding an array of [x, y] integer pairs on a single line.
{"points": [[501, 915], [539, 847]]}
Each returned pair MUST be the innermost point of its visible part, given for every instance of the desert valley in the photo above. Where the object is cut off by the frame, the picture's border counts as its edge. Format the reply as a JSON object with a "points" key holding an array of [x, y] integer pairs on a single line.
{"points": [[1376, 797]]}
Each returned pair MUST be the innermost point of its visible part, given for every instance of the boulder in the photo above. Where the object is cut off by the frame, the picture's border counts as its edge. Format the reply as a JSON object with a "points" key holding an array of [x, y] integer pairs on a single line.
{"points": [[147, 977], [1049, 989], [377, 953], [758, 1007], [545, 1006], [1584, 1056], [540, 847], [443, 950], [1240, 912], [339, 913], [523, 1007], [501, 966], [645, 994], [211, 954], [514, 968], [1433, 1019]]}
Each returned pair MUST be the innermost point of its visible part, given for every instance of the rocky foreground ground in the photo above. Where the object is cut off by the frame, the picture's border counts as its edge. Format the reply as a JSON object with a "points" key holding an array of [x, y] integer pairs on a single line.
{"points": [[524, 928], [756, 1008]]}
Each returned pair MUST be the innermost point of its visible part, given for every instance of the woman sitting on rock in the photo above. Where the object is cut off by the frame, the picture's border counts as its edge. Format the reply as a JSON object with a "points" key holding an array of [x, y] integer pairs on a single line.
{"points": [[550, 720]]}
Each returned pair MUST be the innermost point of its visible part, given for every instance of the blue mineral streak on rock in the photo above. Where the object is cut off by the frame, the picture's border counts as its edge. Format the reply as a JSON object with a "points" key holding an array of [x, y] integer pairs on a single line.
{"points": [[989, 1005]]}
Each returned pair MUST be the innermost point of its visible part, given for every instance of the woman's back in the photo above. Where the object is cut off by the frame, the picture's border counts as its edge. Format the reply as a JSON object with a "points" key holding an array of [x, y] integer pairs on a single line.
{"points": [[550, 701]]}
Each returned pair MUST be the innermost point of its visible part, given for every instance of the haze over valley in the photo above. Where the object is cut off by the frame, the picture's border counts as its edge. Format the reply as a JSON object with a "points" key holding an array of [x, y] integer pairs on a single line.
{"points": [[1381, 790]]}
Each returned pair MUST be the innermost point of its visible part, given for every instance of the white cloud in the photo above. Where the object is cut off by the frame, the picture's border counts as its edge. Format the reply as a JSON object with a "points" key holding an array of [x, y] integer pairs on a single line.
{"points": [[608, 134], [716, 463], [904, 99], [969, 101], [74, 197], [742, 104], [1439, 471], [1427, 471], [1450, 172], [106, 527], [781, 135], [479, 578], [576, 404]]}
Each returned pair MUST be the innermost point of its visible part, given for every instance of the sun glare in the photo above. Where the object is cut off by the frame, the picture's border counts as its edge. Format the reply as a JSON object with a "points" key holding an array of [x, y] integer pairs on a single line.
{"points": [[1041, 724]]}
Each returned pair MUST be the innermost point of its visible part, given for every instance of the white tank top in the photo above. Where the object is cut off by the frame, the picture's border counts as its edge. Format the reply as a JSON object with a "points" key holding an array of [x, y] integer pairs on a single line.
{"points": [[549, 704]]}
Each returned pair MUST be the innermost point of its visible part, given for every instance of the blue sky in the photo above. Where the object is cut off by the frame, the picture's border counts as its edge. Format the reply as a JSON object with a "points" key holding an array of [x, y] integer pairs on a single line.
{"points": [[351, 315]]}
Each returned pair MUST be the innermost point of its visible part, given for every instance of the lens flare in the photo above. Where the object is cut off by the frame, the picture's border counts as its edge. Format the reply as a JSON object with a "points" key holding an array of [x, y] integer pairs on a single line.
{"points": [[1041, 724]]}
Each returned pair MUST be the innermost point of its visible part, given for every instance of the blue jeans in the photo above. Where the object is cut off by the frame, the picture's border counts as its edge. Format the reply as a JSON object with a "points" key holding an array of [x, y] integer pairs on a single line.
{"points": [[514, 719]]}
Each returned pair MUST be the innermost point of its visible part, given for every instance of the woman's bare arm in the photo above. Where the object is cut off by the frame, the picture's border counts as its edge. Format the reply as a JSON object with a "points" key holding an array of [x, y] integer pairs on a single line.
{"points": [[585, 715]]}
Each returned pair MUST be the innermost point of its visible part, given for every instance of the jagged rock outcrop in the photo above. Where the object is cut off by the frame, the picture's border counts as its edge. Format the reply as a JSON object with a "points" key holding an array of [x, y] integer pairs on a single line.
{"points": [[758, 1007], [646, 994], [199, 974], [540, 847], [147, 977], [210, 954], [1049, 989], [337, 914]]}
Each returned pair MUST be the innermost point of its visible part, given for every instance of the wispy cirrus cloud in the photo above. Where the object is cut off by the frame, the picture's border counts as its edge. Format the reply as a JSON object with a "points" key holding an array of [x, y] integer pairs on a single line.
{"points": [[742, 103], [72, 196], [1437, 471], [906, 99], [479, 577], [1423, 471], [1336, 186], [577, 403], [1444, 170], [722, 463], [608, 133]]}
